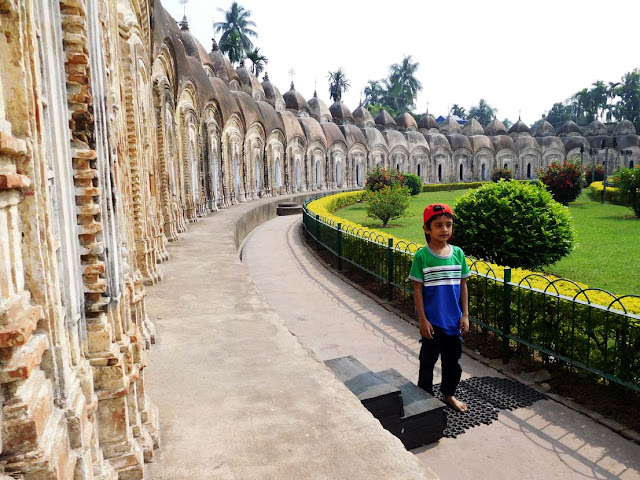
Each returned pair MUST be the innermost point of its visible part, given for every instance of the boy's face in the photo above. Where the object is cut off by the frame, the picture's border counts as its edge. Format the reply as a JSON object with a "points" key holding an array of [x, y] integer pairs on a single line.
{"points": [[440, 229]]}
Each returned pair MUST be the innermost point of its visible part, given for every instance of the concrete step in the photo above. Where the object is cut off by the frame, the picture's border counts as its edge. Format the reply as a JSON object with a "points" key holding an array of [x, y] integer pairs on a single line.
{"points": [[424, 418], [378, 396]]}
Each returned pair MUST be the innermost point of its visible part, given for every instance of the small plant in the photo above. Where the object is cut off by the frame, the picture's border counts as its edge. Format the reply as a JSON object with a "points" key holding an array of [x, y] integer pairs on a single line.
{"points": [[513, 224], [413, 182], [387, 203], [380, 177], [593, 174], [498, 174], [564, 180], [627, 181]]}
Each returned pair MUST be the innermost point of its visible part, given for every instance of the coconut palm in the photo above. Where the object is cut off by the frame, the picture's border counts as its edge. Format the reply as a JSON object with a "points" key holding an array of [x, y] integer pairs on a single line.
{"points": [[338, 83], [237, 23], [483, 112], [232, 46], [403, 86], [258, 61], [373, 92]]}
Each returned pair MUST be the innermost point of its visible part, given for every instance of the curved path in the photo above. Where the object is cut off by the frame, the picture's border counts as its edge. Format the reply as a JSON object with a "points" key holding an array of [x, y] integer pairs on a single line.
{"points": [[331, 318], [238, 396]]}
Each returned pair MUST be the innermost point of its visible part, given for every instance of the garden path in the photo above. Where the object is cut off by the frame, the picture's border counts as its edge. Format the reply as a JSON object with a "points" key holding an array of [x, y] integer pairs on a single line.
{"points": [[332, 319]]}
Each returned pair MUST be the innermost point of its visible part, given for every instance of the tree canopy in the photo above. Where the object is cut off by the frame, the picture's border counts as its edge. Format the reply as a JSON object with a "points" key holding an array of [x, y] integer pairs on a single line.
{"points": [[338, 84], [236, 30], [483, 112], [398, 92]]}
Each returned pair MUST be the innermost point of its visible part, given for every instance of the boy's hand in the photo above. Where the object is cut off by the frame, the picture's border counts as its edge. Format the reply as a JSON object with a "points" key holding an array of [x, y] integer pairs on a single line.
{"points": [[464, 324], [426, 329]]}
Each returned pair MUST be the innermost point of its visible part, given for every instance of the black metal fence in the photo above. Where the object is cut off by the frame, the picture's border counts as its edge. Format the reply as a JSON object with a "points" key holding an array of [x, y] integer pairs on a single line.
{"points": [[574, 329]]}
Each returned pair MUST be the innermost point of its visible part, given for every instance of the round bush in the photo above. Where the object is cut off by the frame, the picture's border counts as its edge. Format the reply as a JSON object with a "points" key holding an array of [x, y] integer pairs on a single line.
{"points": [[564, 180], [498, 174], [380, 177], [627, 180], [513, 224], [413, 182]]}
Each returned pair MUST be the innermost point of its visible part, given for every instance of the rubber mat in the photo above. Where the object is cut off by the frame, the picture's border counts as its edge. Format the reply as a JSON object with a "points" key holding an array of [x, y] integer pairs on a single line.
{"points": [[485, 397]]}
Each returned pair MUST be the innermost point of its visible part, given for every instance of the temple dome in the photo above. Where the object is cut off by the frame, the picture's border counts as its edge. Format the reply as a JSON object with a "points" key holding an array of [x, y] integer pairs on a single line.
{"points": [[519, 128], [495, 127], [222, 68], [363, 118], [295, 102], [340, 114], [384, 120], [595, 128], [450, 126], [569, 127], [427, 122], [545, 129], [272, 95], [318, 109], [405, 121], [473, 127], [625, 127]]}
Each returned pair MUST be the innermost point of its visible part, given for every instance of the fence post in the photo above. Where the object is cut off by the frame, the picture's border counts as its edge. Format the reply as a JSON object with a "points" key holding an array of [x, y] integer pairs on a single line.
{"points": [[318, 232], [390, 270], [339, 247], [506, 316]]}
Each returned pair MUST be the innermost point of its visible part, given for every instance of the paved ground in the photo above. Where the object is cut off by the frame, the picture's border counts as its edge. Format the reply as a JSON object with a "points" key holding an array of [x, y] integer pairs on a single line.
{"points": [[239, 397], [546, 440]]}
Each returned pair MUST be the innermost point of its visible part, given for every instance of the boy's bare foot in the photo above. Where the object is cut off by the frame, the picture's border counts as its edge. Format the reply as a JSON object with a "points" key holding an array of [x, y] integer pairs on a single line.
{"points": [[455, 403]]}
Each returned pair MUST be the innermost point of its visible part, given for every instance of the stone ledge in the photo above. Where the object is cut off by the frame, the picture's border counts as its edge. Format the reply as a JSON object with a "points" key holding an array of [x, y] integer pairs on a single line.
{"points": [[24, 359]]}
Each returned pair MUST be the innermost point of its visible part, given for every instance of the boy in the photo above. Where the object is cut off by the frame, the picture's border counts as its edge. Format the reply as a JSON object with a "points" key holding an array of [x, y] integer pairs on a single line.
{"points": [[439, 273]]}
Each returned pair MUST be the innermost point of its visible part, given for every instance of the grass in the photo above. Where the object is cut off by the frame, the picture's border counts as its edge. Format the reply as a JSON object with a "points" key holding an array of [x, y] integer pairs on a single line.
{"points": [[607, 253]]}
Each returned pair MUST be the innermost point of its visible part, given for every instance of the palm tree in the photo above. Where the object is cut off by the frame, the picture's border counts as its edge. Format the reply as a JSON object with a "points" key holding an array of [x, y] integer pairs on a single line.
{"points": [[403, 86], [236, 23], [483, 112], [258, 61], [338, 83], [599, 97], [232, 46], [373, 92], [458, 110]]}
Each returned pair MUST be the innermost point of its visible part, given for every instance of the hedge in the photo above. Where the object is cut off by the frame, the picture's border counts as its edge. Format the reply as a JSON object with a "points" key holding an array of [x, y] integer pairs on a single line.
{"points": [[613, 194]]}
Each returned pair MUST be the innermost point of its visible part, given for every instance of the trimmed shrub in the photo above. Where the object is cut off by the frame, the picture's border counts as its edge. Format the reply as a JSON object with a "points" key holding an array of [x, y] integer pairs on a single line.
{"points": [[513, 223], [627, 181], [380, 177], [387, 204], [498, 174], [613, 194], [564, 180], [448, 187], [413, 182]]}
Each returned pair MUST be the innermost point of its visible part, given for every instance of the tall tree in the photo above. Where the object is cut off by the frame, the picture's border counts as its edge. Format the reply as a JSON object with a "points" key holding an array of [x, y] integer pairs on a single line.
{"points": [[373, 92], [629, 93], [559, 115], [599, 96], [236, 22], [258, 61], [483, 112], [338, 83], [458, 110], [582, 106], [232, 46], [403, 86]]}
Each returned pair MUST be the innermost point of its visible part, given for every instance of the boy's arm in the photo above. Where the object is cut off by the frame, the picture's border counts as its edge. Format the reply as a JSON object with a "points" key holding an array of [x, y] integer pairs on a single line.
{"points": [[426, 329], [464, 306]]}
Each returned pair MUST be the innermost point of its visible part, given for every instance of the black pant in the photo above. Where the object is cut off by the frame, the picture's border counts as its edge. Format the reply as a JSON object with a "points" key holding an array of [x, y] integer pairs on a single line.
{"points": [[449, 348]]}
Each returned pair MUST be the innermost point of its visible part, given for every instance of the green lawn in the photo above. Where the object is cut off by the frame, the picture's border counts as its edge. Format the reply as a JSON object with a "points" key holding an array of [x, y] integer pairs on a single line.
{"points": [[607, 253]]}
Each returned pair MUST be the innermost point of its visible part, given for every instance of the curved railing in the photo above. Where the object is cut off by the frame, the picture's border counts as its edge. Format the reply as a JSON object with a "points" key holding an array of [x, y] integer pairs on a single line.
{"points": [[536, 312]]}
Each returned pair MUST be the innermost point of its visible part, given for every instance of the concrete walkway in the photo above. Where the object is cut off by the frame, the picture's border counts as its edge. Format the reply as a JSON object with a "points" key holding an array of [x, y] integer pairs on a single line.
{"points": [[239, 397], [546, 440]]}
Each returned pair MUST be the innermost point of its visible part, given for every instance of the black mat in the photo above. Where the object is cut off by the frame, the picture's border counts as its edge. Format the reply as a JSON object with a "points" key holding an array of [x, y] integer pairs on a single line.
{"points": [[485, 397]]}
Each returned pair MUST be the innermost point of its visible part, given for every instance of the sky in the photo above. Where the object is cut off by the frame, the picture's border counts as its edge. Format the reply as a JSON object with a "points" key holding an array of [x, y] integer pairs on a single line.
{"points": [[520, 57]]}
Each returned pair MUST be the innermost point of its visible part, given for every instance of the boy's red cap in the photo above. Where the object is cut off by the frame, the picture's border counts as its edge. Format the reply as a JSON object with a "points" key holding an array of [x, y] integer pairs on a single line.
{"points": [[436, 209]]}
